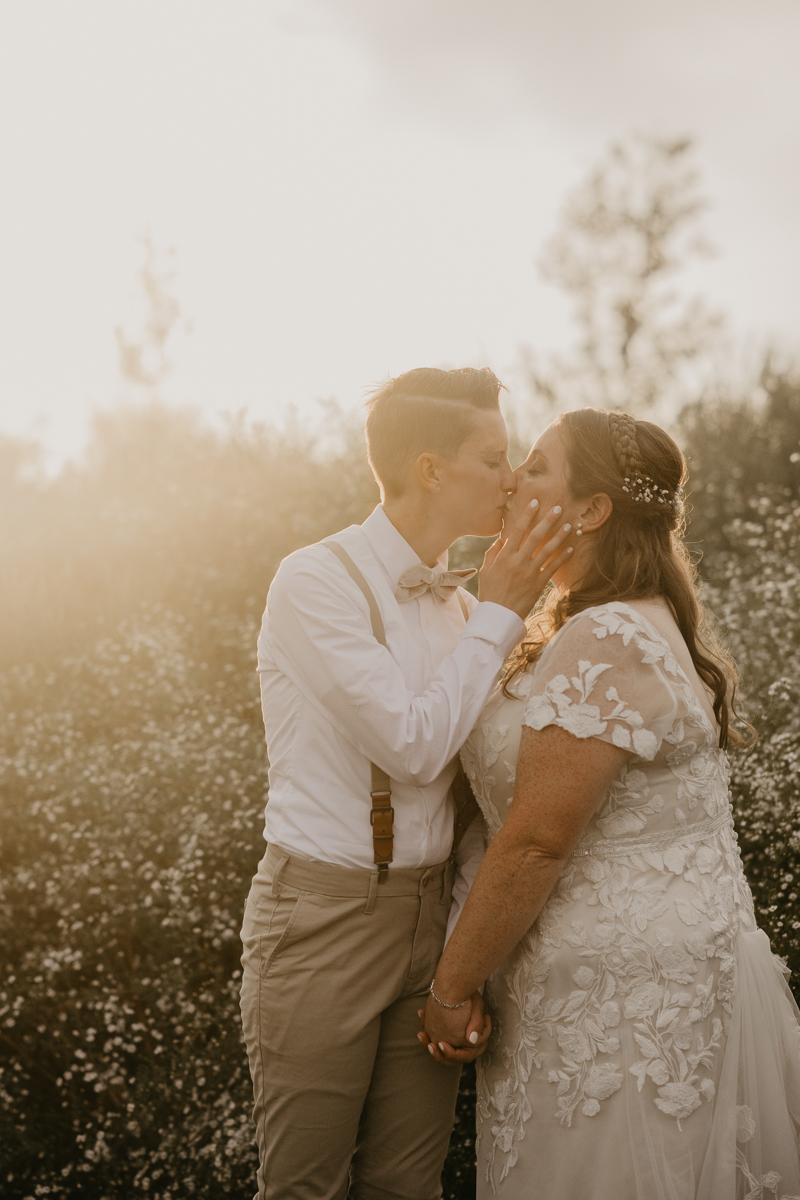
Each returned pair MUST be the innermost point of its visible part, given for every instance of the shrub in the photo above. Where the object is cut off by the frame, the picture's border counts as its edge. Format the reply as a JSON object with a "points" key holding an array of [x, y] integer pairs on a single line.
{"points": [[754, 588], [133, 774], [134, 781]]}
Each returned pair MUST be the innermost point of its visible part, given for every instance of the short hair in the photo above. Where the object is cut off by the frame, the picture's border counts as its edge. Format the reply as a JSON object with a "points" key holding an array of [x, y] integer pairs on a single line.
{"points": [[424, 410]]}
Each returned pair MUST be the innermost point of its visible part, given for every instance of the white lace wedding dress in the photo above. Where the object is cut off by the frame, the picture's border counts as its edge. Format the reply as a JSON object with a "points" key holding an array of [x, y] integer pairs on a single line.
{"points": [[646, 1043]]}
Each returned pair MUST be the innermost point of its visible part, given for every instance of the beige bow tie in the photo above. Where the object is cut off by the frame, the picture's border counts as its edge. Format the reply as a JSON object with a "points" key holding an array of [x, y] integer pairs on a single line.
{"points": [[419, 579]]}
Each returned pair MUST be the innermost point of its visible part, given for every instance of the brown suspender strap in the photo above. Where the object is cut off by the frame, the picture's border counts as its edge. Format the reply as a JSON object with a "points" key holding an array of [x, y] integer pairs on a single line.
{"points": [[378, 632], [382, 814]]}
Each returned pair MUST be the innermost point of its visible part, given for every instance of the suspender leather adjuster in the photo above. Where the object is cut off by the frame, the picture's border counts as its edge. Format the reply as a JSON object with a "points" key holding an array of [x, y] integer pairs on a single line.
{"points": [[381, 816]]}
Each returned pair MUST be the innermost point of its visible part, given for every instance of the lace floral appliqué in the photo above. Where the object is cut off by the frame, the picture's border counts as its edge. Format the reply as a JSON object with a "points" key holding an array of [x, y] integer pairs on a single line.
{"points": [[645, 935]]}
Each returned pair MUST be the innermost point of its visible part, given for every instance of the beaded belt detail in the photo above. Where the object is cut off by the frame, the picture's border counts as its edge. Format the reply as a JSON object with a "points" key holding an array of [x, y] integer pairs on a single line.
{"points": [[622, 847]]}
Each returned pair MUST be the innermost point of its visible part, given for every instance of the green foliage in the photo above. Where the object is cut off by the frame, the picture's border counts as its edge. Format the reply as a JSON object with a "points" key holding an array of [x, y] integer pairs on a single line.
{"points": [[744, 463], [167, 511], [741, 450], [133, 767], [754, 590], [134, 780]]}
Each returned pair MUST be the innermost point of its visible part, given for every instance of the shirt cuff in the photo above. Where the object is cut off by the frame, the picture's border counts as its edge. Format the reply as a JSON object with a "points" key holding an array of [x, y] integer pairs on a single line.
{"points": [[497, 625]]}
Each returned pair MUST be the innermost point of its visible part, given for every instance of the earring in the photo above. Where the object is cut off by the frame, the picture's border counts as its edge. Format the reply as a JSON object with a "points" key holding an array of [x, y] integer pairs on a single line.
{"points": [[438, 488], [579, 529]]}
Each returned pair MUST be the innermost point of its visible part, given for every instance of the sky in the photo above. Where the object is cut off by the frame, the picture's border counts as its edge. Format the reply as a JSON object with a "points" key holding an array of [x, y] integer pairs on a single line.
{"points": [[356, 187]]}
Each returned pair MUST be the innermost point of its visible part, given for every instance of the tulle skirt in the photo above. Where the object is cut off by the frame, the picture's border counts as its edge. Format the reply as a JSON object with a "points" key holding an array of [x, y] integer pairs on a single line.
{"points": [[742, 1145]]}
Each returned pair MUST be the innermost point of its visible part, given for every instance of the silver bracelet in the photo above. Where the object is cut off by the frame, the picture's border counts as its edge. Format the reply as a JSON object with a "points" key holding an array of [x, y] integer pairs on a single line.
{"points": [[438, 1001]]}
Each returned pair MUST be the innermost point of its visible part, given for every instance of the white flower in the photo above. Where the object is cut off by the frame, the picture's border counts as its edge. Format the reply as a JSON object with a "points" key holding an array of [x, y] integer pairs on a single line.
{"points": [[583, 977], [591, 1108], [647, 904], [682, 1037], [504, 1137], [621, 737], [678, 1099], [583, 720], [675, 860], [574, 1043], [675, 963], [602, 1081], [643, 1000], [657, 1070], [698, 946], [621, 823], [645, 743], [609, 1014], [602, 937], [705, 859], [558, 684], [688, 913], [539, 713], [745, 1125]]}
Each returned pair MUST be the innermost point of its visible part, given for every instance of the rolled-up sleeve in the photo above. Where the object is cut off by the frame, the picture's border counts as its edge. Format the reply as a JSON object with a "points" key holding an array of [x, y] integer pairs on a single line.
{"points": [[319, 634]]}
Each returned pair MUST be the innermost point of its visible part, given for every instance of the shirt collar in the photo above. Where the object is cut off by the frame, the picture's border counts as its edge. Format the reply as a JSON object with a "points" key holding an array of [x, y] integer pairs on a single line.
{"points": [[391, 547]]}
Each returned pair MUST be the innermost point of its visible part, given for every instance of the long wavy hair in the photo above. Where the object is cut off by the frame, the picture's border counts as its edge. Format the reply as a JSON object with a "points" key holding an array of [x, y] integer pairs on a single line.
{"points": [[638, 553]]}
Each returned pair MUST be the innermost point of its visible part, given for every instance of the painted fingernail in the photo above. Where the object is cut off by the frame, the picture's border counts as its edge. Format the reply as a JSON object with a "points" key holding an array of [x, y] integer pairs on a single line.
{"points": [[420, 1037], [570, 549], [441, 1047], [473, 1037], [567, 527], [534, 504], [420, 1013], [557, 509], [430, 1047]]}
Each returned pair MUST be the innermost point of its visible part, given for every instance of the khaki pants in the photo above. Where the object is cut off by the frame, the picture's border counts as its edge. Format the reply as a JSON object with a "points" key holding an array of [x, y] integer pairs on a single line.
{"points": [[347, 1101]]}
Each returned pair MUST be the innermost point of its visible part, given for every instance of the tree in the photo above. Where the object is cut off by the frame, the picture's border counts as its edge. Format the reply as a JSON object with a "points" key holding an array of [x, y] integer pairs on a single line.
{"points": [[623, 235], [741, 452], [143, 360]]}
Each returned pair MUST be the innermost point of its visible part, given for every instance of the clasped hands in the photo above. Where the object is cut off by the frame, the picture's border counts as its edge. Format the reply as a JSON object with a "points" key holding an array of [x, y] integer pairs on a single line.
{"points": [[455, 1035]]}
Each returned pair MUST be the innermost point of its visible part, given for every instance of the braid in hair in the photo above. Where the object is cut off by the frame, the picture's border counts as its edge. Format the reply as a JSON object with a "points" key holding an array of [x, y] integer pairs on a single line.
{"points": [[622, 428]]}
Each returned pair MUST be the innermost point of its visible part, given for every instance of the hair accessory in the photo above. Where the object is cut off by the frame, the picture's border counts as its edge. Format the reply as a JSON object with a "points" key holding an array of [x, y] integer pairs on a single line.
{"points": [[643, 490], [438, 1001]]}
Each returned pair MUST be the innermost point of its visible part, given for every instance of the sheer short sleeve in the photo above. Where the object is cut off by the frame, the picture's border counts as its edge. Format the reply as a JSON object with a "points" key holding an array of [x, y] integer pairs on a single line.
{"points": [[605, 676]]}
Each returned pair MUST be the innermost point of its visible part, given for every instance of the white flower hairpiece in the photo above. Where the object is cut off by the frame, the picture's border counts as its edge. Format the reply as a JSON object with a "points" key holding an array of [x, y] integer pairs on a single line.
{"points": [[643, 490]]}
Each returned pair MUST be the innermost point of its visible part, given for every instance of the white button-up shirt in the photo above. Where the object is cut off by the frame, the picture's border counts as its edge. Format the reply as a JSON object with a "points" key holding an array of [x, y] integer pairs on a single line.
{"points": [[334, 699]]}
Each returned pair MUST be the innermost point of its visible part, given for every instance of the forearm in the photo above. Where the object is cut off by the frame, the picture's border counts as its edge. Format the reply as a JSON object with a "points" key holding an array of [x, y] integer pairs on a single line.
{"points": [[510, 890], [357, 685]]}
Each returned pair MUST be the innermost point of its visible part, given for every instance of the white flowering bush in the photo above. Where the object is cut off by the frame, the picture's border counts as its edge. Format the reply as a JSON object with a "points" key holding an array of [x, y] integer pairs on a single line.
{"points": [[754, 589], [133, 773], [134, 781]]}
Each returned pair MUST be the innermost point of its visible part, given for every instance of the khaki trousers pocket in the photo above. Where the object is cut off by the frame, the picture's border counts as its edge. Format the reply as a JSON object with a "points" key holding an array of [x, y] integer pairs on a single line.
{"points": [[267, 928]]}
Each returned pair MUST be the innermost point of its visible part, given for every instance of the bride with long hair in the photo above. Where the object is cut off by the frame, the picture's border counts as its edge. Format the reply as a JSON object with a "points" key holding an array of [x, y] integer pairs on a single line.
{"points": [[645, 1043]]}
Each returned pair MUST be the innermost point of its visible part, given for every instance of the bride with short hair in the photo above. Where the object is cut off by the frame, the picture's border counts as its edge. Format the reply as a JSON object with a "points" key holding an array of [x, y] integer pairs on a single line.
{"points": [[645, 1043]]}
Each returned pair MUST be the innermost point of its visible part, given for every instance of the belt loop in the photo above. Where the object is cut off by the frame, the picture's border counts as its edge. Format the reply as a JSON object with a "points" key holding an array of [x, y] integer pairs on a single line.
{"points": [[276, 876], [372, 895]]}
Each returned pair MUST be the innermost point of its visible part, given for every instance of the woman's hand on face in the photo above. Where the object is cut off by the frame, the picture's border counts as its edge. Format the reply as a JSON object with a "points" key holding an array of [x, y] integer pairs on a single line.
{"points": [[455, 1036], [517, 567]]}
